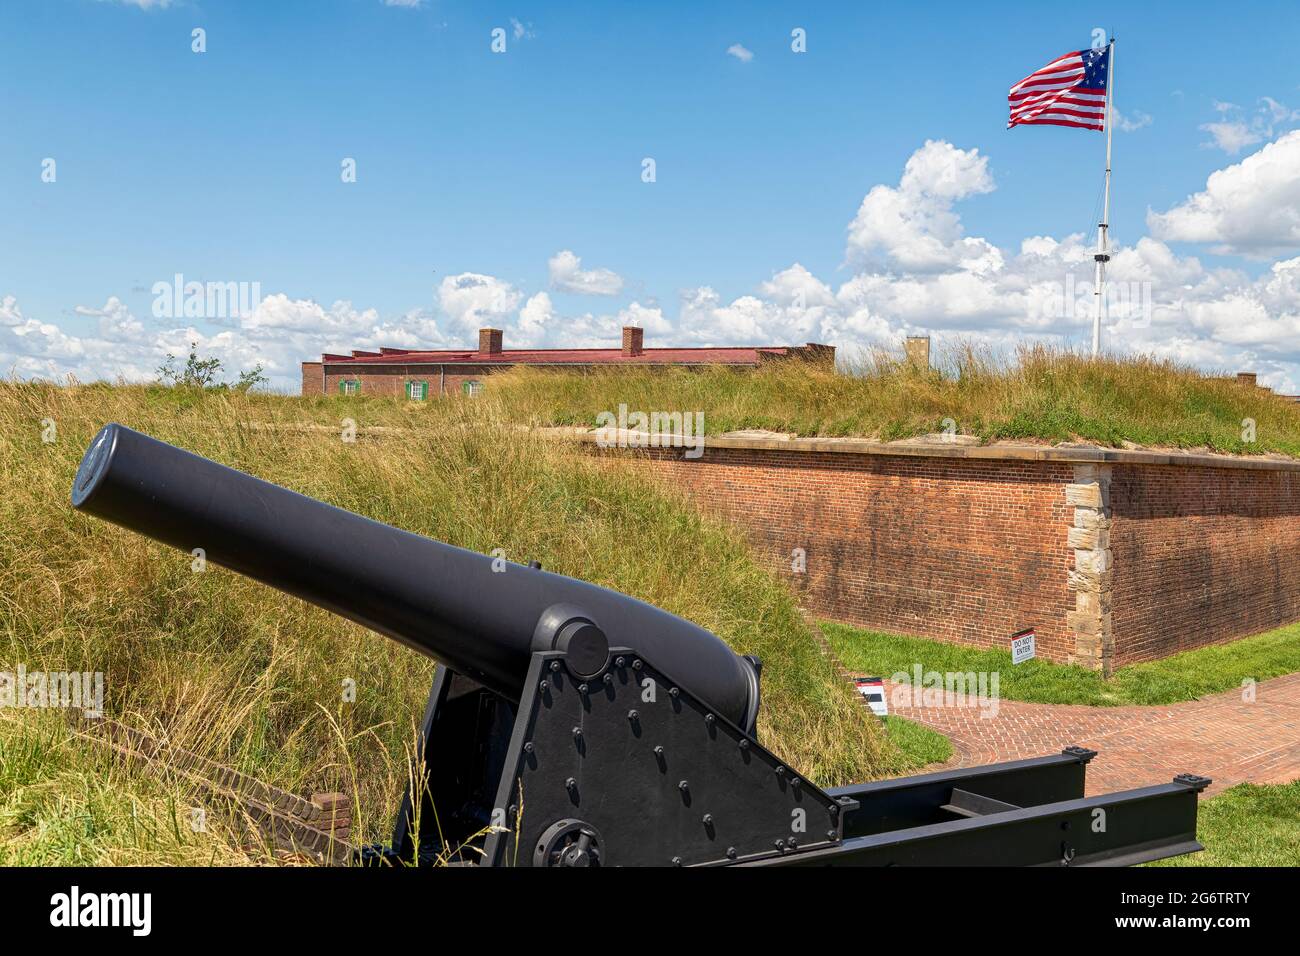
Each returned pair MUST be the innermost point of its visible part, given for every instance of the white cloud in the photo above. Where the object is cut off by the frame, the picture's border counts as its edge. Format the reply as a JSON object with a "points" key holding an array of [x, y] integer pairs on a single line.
{"points": [[650, 318], [115, 320], [520, 31], [30, 348], [1238, 129], [567, 275], [914, 269], [1130, 123], [536, 319], [740, 53], [797, 287], [409, 4], [283, 332], [472, 300], [794, 307], [10, 314], [913, 224], [279, 334], [147, 4], [540, 326], [1251, 208], [1231, 137]]}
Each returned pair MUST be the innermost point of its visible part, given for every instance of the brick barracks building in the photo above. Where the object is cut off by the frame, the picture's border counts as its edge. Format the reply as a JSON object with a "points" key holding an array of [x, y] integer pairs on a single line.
{"points": [[425, 374]]}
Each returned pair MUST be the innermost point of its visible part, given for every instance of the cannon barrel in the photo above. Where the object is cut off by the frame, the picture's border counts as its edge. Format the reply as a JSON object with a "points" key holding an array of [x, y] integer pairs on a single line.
{"points": [[440, 600]]}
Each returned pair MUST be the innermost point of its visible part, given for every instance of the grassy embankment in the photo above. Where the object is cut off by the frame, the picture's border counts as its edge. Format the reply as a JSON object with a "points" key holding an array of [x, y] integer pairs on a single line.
{"points": [[1044, 396], [248, 677]]}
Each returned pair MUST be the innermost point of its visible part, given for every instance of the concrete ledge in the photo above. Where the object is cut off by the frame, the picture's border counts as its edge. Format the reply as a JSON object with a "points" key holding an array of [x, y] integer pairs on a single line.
{"points": [[1074, 454]]}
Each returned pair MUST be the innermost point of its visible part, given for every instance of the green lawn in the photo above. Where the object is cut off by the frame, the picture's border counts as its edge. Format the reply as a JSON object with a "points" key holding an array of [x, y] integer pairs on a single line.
{"points": [[921, 745], [1248, 825], [1182, 677]]}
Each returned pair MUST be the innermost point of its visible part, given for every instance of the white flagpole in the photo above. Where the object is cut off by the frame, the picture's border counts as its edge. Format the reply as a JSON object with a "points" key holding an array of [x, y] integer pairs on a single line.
{"points": [[1103, 256]]}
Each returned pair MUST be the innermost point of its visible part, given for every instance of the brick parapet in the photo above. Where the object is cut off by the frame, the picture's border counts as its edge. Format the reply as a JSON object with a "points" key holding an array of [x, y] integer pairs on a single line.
{"points": [[1112, 556]]}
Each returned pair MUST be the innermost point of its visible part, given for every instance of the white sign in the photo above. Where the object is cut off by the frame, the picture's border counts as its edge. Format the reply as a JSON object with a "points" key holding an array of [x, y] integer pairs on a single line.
{"points": [[873, 690], [1022, 647]]}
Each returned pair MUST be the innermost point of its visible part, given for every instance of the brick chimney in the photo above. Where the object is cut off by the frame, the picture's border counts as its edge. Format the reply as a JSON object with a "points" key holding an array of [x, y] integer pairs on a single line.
{"points": [[918, 351], [1246, 378], [489, 341], [633, 341]]}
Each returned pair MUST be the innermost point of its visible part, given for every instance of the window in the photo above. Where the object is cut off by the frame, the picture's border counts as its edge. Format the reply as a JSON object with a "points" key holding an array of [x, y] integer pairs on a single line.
{"points": [[350, 386], [472, 387], [417, 391]]}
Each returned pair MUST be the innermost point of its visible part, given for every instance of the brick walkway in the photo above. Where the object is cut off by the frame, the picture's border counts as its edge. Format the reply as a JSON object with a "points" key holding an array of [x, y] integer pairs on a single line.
{"points": [[1222, 736]]}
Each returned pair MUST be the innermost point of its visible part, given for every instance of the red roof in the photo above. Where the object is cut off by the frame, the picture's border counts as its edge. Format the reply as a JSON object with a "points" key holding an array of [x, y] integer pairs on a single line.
{"points": [[705, 356]]}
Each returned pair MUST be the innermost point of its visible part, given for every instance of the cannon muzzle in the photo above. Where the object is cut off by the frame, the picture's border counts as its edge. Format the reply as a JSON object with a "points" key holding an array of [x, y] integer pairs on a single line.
{"points": [[479, 616]]}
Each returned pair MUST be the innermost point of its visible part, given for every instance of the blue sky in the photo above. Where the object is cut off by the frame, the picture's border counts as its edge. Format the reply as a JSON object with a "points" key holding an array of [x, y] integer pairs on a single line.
{"points": [[225, 165]]}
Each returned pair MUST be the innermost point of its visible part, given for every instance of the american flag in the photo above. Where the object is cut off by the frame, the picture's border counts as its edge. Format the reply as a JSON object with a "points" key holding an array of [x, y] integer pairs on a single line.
{"points": [[1069, 91]]}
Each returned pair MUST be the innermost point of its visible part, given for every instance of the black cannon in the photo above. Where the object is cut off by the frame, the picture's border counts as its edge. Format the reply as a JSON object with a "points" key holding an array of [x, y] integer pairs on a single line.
{"points": [[570, 725]]}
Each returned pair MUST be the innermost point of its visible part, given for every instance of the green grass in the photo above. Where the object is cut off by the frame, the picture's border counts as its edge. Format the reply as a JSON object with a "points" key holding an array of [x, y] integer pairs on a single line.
{"points": [[922, 745], [1042, 396], [65, 804], [248, 677], [1247, 825], [1186, 676]]}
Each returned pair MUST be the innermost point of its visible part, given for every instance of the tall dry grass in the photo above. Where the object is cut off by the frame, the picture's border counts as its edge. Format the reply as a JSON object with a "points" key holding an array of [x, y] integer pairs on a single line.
{"points": [[248, 677], [1039, 394]]}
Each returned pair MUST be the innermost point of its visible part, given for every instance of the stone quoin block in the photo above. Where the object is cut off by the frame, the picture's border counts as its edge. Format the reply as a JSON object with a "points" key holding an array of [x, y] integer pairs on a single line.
{"points": [[1087, 495]]}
